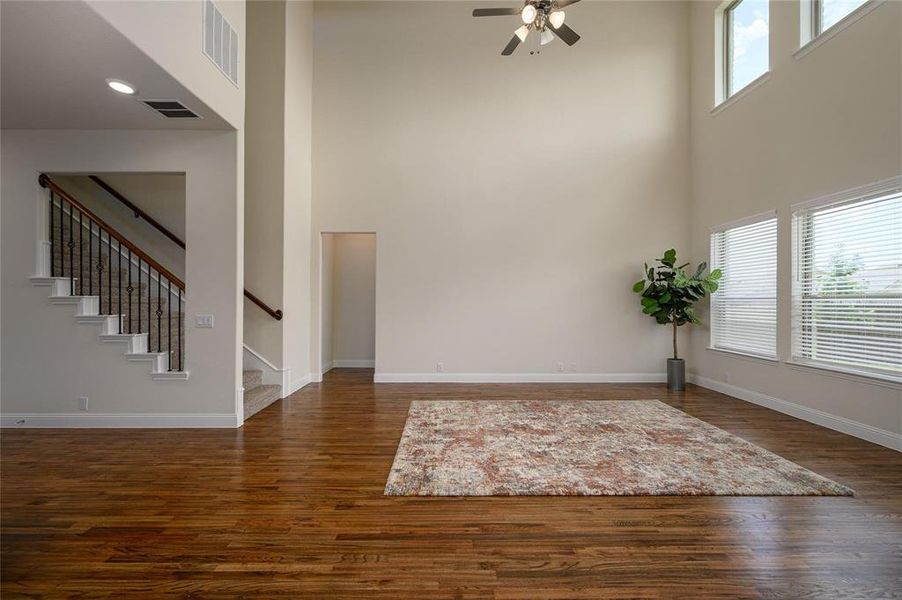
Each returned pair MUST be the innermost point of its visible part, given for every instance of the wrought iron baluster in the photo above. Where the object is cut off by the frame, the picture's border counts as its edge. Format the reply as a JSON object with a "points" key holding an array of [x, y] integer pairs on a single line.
{"points": [[159, 313], [90, 256], [129, 289], [149, 322], [119, 284], [62, 250], [179, 292], [71, 245], [109, 272], [139, 296], [169, 320], [81, 260], [52, 240]]}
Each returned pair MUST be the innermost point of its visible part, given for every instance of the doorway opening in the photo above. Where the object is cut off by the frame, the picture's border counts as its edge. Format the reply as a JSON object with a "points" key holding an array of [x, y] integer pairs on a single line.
{"points": [[348, 301]]}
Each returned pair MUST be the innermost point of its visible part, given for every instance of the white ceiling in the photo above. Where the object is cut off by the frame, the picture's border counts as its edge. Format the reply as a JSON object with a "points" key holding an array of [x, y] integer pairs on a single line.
{"points": [[55, 58]]}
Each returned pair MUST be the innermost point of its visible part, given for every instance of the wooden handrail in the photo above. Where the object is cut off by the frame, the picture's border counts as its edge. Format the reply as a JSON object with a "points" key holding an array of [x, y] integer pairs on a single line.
{"points": [[275, 313], [135, 209], [46, 182]]}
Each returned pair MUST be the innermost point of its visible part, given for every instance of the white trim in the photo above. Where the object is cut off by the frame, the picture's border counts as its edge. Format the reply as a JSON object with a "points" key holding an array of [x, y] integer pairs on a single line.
{"points": [[751, 220], [812, 415], [519, 377], [883, 186], [353, 364], [299, 384], [116, 421], [326, 368], [815, 40], [772, 360], [272, 375], [850, 373], [754, 84], [261, 358]]}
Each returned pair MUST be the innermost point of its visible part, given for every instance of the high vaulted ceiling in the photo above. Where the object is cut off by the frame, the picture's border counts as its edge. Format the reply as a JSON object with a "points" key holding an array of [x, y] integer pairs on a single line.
{"points": [[55, 58]]}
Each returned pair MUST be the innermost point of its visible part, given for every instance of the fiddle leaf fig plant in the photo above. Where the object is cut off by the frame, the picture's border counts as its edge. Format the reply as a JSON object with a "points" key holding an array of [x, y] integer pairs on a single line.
{"points": [[669, 293]]}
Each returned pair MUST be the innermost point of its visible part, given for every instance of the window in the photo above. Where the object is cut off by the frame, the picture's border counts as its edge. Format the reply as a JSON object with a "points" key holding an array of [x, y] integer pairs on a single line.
{"points": [[847, 282], [745, 37], [744, 308], [827, 13]]}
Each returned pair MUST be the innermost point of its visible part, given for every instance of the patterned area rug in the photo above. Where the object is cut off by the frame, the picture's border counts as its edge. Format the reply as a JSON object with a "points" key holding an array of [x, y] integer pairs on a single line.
{"points": [[574, 448]]}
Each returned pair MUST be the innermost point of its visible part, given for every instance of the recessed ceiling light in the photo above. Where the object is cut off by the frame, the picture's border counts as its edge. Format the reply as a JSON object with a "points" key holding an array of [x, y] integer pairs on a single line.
{"points": [[123, 87]]}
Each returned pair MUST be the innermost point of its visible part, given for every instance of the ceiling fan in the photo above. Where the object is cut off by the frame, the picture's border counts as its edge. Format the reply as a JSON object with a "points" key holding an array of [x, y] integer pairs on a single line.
{"points": [[545, 16]]}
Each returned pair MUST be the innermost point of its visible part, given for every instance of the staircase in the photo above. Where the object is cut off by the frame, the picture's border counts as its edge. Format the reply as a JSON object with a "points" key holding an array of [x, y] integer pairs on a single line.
{"points": [[258, 396], [113, 284]]}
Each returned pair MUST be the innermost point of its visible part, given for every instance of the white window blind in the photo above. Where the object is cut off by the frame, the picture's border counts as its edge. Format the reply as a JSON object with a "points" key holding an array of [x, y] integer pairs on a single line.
{"points": [[847, 296], [744, 308]]}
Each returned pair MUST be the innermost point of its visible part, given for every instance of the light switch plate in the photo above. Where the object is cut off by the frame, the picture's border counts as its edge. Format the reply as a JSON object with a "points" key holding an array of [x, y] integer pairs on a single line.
{"points": [[203, 321]]}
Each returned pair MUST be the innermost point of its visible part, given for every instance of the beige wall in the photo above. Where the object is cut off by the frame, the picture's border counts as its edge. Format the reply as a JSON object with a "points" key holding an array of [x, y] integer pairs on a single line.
{"points": [[353, 299], [514, 199], [298, 190], [161, 195], [264, 190], [326, 283], [823, 122], [277, 216], [48, 359]]}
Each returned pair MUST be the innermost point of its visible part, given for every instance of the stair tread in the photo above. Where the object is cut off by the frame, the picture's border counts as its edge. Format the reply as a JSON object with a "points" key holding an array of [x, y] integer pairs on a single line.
{"points": [[251, 378], [258, 398]]}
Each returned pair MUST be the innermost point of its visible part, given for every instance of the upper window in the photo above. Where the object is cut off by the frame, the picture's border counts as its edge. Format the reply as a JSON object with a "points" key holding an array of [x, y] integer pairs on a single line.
{"points": [[744, 308], [847, 278], [827, 13], [746, 54]]}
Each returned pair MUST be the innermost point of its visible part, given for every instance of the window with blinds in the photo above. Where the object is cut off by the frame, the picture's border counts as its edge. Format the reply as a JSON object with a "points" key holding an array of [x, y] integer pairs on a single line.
{"points": [[744, 308], [847, 283]]}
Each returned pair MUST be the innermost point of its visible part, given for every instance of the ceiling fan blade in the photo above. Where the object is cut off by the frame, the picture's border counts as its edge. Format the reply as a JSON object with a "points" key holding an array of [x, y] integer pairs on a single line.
{"points": [[496, 12], [563, 3], [566, 34], [511, 46]]}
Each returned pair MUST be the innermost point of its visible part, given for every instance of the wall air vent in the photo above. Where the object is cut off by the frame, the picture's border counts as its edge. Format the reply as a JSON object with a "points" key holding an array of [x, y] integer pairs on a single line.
{"points": [[171, 109], [220, 41]]}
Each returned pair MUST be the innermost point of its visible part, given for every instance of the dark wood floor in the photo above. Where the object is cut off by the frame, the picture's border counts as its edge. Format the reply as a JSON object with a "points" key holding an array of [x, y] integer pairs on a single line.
{"points": [[292, 506]]}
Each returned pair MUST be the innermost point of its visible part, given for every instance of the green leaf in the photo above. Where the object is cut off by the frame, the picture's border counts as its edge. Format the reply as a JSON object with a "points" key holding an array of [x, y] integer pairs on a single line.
{"points": [[715, 274], [639, 286], [669, 257]]}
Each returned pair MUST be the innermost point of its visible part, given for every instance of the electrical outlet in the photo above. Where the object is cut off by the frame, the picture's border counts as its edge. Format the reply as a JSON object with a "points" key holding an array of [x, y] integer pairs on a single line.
{"points": [[439, 367], [560, 367], [83, 403], [205, 321]]}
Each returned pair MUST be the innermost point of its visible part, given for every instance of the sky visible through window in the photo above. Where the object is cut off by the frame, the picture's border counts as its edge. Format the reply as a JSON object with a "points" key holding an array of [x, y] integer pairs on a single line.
{"points": [[748, 43], [832, 11]]}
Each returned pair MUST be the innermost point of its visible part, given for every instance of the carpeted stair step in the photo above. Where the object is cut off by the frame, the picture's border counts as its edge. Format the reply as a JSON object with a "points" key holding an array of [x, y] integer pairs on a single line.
{"points": [[252, 378], [258, 398]]}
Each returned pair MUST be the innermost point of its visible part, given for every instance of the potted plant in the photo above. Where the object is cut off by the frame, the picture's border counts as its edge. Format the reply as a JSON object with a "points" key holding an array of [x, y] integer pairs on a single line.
{"points": [[668, 294]]}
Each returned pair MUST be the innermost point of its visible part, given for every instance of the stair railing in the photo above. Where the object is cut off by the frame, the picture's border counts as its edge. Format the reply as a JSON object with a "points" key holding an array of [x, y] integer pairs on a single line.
{"points": [[275, 313], [74, 223]]}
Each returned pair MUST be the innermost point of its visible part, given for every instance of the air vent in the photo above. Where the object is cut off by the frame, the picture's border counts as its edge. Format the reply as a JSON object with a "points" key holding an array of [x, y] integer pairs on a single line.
{"points": [[220, 41], [171, 109]]}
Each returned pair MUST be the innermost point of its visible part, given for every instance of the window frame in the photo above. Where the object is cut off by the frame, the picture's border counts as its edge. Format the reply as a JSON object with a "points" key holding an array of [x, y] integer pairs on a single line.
{"points": [[802, 217], [770, 215], [724, 94], [811, 32]]}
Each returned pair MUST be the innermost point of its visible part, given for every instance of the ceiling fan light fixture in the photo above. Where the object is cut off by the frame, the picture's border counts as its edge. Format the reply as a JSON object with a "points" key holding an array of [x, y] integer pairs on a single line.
{"points": [[546, 38], [556, 18], [528, 14], [522, 32]]}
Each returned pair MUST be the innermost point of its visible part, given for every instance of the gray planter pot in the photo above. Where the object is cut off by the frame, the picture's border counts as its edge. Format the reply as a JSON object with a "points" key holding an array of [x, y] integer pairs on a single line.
{"points": [[676, 374]]}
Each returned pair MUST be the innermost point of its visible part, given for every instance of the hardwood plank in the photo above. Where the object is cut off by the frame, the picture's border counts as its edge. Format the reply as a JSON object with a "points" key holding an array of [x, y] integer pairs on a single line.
{"points": [[291, 506]]}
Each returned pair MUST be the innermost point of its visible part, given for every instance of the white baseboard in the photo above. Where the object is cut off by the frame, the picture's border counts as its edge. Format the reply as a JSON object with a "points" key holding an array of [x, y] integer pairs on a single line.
{"points": [[812, 415], [353, 364], [300, 383], [519, 377], [326, 368], [119, 421]]}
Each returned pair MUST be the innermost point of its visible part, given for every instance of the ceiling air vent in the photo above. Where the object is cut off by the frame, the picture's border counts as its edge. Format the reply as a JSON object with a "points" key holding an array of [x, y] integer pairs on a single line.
{"points": [[171, 109], [220, 41]]}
